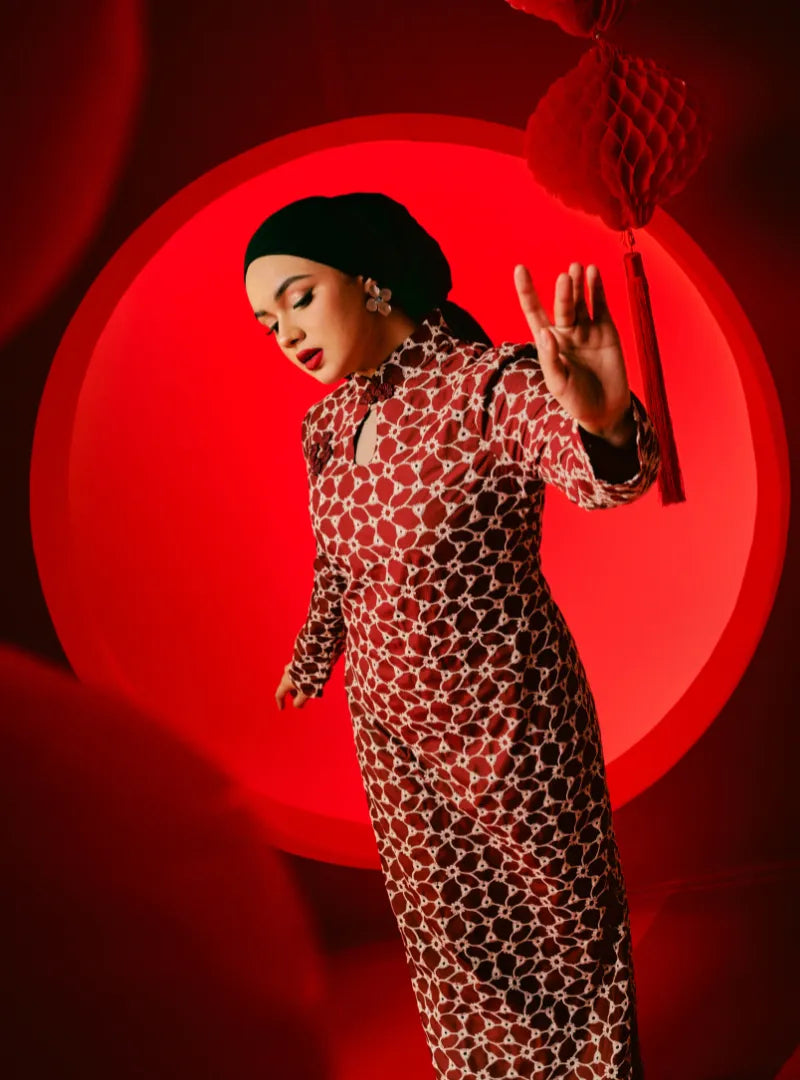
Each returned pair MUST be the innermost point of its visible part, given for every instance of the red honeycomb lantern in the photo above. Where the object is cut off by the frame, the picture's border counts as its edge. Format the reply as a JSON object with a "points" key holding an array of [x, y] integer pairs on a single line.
{"points": [[579, 17], [617, 136]]}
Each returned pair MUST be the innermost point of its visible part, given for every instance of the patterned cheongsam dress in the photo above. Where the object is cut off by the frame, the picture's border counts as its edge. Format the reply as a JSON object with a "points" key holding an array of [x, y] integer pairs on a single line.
{"points": [[474, 724]]}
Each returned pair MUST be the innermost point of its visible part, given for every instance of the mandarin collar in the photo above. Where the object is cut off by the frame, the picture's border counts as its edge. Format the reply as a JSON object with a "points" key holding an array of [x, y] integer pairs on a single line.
{"points": [[431, 336]]}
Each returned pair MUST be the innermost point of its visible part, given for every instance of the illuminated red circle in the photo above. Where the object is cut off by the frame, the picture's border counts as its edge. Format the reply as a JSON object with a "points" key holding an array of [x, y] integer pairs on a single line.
{"points": [[168, 490]]}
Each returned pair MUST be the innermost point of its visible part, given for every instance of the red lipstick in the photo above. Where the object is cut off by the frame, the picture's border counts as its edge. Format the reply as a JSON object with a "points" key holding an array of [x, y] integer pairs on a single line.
{"points": [[312, 358]]}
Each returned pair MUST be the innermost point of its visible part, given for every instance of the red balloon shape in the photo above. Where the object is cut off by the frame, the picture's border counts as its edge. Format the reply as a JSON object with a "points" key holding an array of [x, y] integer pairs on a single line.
{"points": [[75, 95], [154, 932]]}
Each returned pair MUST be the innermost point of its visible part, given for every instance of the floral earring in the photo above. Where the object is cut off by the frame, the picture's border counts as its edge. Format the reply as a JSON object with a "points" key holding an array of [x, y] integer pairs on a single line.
{"points": [[378, 299]]}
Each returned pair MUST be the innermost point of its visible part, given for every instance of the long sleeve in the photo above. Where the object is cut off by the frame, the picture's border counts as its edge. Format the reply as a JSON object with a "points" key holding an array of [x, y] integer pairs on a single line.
{"points": [[322, 637], [522, 421]]}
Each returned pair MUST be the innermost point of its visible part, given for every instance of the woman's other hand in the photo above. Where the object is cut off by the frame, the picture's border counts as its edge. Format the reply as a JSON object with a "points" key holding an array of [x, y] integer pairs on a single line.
{"points": [[580, 355], [286, 686]]}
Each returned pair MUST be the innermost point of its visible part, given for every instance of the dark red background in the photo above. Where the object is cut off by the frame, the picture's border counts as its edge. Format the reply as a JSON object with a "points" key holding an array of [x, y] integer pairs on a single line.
{"points": [[219, 78]]}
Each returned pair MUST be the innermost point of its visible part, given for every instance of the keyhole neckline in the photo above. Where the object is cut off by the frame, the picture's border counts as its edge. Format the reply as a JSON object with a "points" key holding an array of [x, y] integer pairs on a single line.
{"points": [[358, 435]]}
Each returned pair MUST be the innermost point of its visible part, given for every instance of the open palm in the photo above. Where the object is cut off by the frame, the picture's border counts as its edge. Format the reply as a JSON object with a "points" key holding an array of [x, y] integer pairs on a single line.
{"points": [[580, 354]]}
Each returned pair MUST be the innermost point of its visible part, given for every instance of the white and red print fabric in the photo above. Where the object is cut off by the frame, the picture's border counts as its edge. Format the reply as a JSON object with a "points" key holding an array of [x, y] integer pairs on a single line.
{"points": [[475, 727]]}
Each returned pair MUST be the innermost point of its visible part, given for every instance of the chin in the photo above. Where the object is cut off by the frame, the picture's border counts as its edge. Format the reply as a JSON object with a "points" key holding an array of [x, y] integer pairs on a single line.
{"points": [[328, 373]]}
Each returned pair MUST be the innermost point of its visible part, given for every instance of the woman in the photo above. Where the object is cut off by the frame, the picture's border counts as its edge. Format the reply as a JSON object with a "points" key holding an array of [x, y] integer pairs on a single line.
{"points": [[475, 728]]}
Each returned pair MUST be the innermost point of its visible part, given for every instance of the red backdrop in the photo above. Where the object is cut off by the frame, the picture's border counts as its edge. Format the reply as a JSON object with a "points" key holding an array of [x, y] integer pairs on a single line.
{"points": [[709, 849], [169, 517]]}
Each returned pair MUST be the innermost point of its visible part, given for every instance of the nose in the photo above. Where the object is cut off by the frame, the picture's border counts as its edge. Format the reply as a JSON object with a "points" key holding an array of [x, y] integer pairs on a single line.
{"points": [[287, 335]]}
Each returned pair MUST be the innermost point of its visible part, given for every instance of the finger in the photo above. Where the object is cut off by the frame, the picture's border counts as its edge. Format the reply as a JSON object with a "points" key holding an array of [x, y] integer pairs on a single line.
{"points": [[554, 370], [597, 294], [577, 275], [529, 300], [285, 686], [564, 302]]}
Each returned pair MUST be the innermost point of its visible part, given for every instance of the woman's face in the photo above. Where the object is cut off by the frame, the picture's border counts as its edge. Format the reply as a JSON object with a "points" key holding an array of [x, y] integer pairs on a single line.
{"points": [[317, 315]]}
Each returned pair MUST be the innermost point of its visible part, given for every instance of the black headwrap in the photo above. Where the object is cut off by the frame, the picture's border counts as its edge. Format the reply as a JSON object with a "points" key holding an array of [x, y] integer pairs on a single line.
{"points": [[371, 234]]}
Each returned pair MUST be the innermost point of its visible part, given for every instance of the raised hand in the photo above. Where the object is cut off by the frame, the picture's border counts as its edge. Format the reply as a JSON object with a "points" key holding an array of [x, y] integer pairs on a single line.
{"points": [[581, 355]]}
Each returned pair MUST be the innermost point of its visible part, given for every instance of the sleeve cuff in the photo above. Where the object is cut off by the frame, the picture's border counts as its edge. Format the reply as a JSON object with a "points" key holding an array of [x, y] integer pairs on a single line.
{"points": [[310, 689], [612, 464]]}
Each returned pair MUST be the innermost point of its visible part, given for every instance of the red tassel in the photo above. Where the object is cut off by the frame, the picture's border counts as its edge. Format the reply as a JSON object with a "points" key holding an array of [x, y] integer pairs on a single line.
{"points": [[670, 481]]}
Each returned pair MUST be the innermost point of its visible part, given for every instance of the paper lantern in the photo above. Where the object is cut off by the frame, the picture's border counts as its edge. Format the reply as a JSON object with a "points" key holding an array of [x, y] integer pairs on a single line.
{"points": [[617, 136], [579, 17]]}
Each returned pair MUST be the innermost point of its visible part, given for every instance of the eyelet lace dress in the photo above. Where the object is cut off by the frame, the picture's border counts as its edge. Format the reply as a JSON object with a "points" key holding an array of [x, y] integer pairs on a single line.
{"points": [[475, 727]]}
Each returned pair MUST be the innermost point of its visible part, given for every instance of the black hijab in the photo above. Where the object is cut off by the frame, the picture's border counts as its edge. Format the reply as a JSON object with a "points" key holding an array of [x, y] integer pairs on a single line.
{"points": [[371, 234]]}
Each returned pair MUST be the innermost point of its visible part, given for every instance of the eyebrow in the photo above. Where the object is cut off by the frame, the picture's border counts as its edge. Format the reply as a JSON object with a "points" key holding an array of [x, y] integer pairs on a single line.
{"points": [[282, 289]]}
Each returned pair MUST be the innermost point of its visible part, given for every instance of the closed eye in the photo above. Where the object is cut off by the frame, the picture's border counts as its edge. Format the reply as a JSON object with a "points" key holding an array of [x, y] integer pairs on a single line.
{"points": [[304, 301]]}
